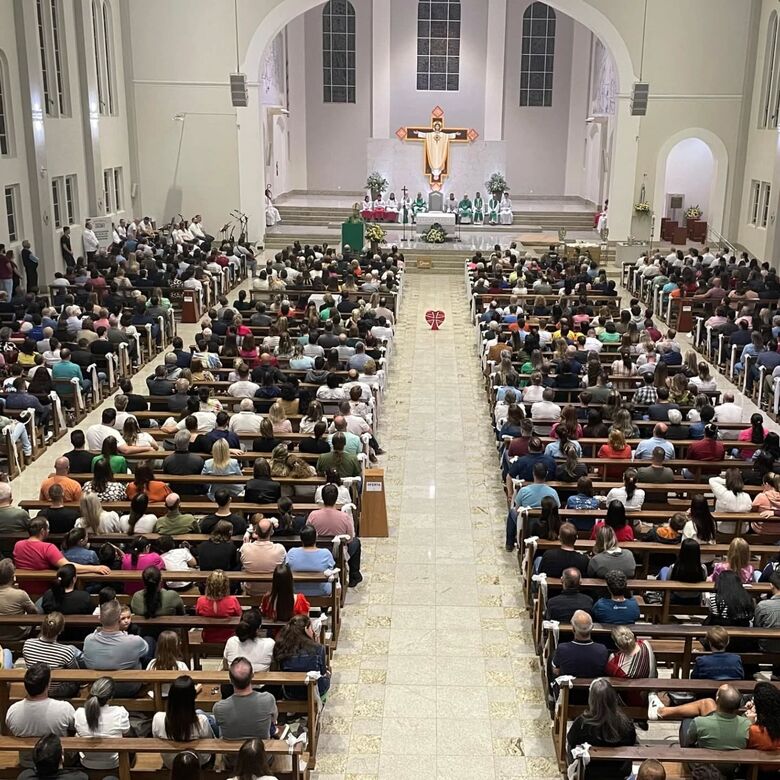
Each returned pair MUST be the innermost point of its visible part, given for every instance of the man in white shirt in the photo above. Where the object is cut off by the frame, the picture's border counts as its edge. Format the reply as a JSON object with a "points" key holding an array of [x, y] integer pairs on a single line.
{"points": [[707, 258], [546, 409], [383, 311], [90, 241], [728, 411], [37, 715], [345, 351], [354, 424], [381, 330], [98, 433], [243, 387], [592, 344], [247, 420]]}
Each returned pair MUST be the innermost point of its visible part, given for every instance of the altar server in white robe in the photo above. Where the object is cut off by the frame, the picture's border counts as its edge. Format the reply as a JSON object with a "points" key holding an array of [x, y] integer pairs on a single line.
{"points": [[272, 215], [380, 203], [392, 204], [505, 211], [451, 205], [405, 209]]}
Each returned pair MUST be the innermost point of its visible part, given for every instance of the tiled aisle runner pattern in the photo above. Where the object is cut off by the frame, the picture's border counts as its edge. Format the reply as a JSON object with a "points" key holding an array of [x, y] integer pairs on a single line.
{"points": [[435, 675]]}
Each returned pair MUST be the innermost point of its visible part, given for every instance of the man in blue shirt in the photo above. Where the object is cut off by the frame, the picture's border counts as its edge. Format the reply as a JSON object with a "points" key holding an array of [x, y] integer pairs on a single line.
{"points": [[718, 664], [310, 558], [529, 496], [644, 450], [618, 609], [523, 468]]}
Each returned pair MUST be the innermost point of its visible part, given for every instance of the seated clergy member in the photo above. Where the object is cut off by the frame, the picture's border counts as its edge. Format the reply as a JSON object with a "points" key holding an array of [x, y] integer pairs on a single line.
{"points": [[563, 606]]}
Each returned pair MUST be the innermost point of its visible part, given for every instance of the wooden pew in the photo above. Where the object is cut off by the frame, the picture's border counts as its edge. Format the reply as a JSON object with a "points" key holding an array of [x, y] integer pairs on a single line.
{"points": [[287, 764]]}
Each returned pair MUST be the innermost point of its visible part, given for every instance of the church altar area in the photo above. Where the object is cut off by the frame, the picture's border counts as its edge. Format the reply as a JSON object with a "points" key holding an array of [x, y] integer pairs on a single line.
{"points": [[428, 218]]}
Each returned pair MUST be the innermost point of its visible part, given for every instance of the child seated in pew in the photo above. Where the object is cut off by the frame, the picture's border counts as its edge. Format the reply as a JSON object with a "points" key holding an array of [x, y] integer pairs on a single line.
{"points": [[717, 664], [167, 657]]}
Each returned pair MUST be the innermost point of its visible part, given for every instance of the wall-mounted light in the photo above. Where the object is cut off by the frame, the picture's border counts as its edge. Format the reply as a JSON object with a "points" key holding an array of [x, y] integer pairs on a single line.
{"points": [[37, 115], [43, 172]]}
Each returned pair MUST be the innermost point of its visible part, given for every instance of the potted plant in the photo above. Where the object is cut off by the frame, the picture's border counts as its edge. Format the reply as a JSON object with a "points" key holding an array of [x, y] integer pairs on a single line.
{"points": [[376, 235], [694, 212], [435, 234], [643, 207], [496, 185], [376, 184]]}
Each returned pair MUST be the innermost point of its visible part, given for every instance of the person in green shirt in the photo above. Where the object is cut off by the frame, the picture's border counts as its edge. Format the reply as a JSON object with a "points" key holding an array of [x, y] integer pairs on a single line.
{"points": [[345, 463], [109, 452], [154, 601], [66, 370], [465, 210], [609, 335], [418, 206], [479, 210], [174, 522], [716, 724]]}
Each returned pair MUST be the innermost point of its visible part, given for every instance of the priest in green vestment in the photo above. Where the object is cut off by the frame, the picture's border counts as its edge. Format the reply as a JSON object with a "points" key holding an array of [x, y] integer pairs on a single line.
{"points": [[493, 207], [419, 206], [479, 210], [465, 210]]}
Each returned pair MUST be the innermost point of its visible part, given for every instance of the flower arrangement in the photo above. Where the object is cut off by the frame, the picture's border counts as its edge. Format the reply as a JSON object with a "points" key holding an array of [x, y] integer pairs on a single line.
{"points": [[496, 184], [694, 212], [377, 184], [435, 234], [375, 233], [643, 207]]}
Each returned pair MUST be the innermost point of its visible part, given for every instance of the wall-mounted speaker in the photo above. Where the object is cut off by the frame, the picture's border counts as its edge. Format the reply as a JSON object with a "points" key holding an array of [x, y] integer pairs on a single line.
{"points": [[640, 93], [239, 95]]}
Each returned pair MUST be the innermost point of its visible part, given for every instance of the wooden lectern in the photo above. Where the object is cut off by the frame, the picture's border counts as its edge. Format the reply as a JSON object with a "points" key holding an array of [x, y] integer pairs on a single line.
{"points": [[373, 515]]}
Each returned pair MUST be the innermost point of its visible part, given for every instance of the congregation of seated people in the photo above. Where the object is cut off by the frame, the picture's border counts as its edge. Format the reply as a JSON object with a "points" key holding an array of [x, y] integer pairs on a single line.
{"points": [[603, 421]]}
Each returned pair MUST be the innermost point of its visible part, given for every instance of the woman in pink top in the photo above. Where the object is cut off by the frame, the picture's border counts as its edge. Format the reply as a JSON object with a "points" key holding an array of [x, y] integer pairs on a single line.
{"points": [[248, 351], [139, 557], [737, 560], [756, 433]]}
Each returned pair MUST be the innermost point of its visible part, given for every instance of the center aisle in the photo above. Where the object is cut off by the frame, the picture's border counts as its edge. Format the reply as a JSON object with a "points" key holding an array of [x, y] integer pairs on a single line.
{"points": [[435, 675]]}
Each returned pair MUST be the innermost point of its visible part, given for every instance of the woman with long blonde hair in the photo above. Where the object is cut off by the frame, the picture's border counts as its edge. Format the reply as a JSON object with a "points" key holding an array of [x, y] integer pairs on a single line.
{"points": [[278, 418], [221, 464], [737, 560], [96, 520]]}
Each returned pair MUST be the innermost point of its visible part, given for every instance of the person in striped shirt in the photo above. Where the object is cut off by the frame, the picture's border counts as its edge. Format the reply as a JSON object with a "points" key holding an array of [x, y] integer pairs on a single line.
{"points": [[47, 650]]}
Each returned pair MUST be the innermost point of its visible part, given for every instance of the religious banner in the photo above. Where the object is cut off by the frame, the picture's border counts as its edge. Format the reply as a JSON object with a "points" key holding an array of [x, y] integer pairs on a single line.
{"points": [[436, 139]]}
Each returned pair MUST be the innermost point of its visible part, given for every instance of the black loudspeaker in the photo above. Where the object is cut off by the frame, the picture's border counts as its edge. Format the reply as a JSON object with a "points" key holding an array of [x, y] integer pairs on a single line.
{"points": [[639, 95], [239, 96]]}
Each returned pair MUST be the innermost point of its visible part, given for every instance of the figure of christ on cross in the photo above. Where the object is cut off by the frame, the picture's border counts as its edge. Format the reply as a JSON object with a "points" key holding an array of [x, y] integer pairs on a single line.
{"points": [[436, 139]]}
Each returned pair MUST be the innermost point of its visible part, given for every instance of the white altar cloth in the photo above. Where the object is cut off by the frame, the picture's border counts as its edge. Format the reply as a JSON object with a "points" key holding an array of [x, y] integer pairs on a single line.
{"points": [[428, 218]]}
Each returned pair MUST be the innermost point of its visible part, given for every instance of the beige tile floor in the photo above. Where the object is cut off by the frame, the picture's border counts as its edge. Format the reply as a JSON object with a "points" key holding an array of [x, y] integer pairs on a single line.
{"points": [[436, 676]]}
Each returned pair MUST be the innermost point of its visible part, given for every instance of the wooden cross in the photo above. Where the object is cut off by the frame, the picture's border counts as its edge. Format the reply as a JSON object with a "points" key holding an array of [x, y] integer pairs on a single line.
{"points": [[437, 138]]}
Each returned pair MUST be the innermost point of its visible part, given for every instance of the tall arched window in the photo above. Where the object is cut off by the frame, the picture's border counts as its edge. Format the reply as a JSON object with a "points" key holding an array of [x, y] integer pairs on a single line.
{"points": [[338, 52], [103, 40], [6, 129], [438, 45], [538, 55], [769, 84]]}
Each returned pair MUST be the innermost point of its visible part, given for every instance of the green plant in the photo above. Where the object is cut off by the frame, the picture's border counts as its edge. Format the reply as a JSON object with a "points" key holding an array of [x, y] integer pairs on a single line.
{"points": [[496, 184], [375, 233], [435, 234], [376, 183]]}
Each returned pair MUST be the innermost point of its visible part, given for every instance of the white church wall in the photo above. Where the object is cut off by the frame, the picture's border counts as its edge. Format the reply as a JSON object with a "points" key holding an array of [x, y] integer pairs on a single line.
{"points": [[464, 108], [13, 168], [297, 174], [537, 138], [336, 133], [762, 151]]}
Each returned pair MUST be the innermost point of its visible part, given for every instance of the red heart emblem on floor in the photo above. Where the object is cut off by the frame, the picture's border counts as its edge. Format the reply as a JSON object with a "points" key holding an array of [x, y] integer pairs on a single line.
{"points": [[434, 318]]}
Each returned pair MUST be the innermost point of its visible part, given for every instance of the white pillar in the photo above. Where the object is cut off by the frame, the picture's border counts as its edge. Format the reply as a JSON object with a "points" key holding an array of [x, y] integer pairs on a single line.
{"points": [[380, 69], [251, 168], [41, 232], [622, 184], [89, 109], [296, 79], [579, 100], [494, 71]]}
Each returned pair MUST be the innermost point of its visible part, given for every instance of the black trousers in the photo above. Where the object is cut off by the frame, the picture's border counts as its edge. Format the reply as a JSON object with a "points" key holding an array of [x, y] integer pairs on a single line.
{"points": [[31, 272]]}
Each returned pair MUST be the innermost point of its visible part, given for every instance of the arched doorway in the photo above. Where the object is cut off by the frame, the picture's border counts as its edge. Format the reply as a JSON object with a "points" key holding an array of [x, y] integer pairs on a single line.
{"points": [[692, 163], [625, 150]]}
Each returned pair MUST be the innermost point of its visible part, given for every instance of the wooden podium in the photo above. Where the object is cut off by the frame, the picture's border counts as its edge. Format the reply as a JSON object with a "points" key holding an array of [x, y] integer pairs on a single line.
{"points": [[373, 514]]}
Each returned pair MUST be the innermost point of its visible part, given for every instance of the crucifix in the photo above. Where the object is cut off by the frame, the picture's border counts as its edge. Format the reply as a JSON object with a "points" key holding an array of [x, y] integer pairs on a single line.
{"points": [[436, 139]]}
